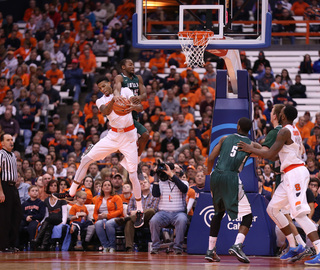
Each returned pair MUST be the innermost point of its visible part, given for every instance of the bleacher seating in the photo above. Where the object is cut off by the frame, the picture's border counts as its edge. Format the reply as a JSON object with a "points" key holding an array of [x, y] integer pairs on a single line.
{"points": [[279, 60]]}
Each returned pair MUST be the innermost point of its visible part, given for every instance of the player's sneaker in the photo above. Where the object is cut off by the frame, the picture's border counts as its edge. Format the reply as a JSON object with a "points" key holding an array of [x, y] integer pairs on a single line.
{"points": [[87, 151], [314, 261], [63, 195], [237, 251], [154, 251], [212, 256], [308, 252], [293, 252], [139, 220]]}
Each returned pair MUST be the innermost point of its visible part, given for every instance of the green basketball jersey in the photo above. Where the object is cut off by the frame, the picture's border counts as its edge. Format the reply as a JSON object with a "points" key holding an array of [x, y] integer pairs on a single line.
{"points": [[230, 158], [133, 83], [268, 142]]}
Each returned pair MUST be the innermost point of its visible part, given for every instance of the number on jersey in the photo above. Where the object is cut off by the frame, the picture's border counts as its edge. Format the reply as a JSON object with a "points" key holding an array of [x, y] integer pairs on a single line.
{"points": [[233, 151]]}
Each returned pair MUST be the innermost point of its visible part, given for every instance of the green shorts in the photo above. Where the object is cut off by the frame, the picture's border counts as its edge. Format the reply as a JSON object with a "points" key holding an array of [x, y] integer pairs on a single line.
{"points": [[225, 192], [140, 128], [278, 179]]}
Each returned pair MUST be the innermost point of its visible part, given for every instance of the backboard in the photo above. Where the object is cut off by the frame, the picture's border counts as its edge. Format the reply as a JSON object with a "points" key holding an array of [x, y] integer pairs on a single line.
{"points": [[237, 24]]}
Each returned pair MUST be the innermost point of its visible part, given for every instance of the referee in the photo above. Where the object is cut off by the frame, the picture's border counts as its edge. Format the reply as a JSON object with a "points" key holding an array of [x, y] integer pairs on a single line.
{"points": [[10, 206]]}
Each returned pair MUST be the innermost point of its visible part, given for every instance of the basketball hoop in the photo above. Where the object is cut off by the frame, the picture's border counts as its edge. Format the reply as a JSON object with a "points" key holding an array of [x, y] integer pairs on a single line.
{"points": [[193, 44]]}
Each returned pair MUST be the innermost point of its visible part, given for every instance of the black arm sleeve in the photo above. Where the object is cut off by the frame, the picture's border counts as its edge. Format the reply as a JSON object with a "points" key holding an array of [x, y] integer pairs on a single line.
{"points": [[156, 190], [181, 186]]}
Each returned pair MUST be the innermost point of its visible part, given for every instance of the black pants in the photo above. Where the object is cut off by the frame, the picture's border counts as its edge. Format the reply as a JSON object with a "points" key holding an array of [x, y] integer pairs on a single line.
{"points": [[10, 216], [27, 231]]}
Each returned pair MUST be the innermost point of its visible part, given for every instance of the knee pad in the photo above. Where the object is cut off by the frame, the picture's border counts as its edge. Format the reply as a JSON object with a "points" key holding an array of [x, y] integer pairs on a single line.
{"points": [[272, 212], [279, 218], [305, 223], [247, 220]]}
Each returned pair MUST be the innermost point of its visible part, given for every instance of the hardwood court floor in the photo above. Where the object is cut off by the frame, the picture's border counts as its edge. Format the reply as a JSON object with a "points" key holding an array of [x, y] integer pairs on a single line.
{"points": [[133, 261]]}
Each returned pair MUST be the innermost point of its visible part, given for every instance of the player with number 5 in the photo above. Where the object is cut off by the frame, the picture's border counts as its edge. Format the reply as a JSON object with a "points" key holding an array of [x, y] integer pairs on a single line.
{"points": [[227, 190]]}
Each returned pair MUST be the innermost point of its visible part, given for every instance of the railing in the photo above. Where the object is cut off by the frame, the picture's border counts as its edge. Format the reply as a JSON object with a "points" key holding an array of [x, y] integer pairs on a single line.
{"points": [[307, 23]]}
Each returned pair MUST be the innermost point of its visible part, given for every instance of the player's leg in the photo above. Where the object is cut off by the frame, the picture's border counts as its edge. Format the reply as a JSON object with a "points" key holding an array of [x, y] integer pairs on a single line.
{"points": [[299, 207], [144, 137], [99, 151], [244, 212], [211, 254], [129, 149], [219, 208], [279, 201], [294, 230]]}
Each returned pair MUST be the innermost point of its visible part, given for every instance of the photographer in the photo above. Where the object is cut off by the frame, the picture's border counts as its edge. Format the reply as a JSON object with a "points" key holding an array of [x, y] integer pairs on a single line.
{"points": [[172, 206]]}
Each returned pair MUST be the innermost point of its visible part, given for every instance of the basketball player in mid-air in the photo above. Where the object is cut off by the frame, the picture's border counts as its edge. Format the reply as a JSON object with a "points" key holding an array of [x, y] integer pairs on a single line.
{"points": [[121, 137], [292, 190], [227, 190], [128, 79]]}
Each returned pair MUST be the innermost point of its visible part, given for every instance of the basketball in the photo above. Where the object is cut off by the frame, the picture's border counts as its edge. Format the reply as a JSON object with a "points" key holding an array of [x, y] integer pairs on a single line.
{"points": [[119, 107]]}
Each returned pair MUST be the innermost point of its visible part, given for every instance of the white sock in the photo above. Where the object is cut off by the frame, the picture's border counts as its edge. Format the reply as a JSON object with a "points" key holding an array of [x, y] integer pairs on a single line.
{"points": [[300, 240], [240, 238], [139, 205], [212, 242], [316, 245], [291, 241], [73, 189]]}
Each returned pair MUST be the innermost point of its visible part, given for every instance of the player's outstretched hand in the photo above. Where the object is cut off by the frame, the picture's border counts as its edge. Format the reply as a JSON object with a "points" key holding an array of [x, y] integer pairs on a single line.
{"points": [[130, 108], [245, 147], [135, 100]]}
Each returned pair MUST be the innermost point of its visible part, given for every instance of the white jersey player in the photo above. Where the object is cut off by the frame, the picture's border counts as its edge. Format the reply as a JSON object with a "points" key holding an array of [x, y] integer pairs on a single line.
{"points": [[292, 189], [121, 137]]}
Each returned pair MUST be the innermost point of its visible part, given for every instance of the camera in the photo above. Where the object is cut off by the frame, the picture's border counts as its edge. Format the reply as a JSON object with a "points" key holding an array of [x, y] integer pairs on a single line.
{"points": [[161, 167]]}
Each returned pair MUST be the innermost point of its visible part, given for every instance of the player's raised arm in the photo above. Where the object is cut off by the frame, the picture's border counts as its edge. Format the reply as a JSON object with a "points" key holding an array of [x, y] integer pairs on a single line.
{"points": [[214, 154], [283, 135], [142, 89], [117, 88]]}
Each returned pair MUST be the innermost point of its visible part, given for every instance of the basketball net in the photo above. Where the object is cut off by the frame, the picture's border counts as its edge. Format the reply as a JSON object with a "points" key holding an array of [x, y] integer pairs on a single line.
{"points": [[193, 44]]}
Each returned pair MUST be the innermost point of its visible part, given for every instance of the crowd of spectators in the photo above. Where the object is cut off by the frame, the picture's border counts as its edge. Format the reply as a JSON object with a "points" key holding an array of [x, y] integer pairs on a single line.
{"points": [[58, 49]]}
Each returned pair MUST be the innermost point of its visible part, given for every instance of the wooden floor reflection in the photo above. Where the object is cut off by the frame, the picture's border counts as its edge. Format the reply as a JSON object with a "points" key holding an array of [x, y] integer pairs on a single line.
{"points": [[133, 261]]}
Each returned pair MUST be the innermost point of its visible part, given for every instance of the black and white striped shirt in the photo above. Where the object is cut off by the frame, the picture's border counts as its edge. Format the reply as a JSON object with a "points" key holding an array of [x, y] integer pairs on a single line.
{"points": [[8, 164]]}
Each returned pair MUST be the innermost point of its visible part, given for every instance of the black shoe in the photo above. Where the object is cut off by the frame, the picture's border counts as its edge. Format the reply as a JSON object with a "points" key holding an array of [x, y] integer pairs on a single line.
{"points": [[237, 251], [11, 250], [212, 256], [42, 248], [178, 251], [129, 249], [63, 195], [140, 220]]}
